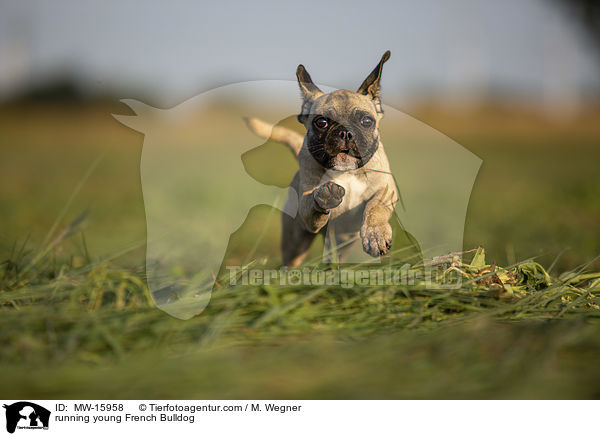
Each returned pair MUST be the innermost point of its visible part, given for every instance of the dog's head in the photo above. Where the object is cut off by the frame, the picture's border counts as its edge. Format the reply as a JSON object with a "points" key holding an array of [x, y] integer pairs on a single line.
{"points": [[342, 127]]}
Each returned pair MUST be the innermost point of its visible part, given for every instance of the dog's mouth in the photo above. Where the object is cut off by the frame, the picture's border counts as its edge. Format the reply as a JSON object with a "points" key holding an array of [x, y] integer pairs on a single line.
{"points": [[349, 153], [338, 158], [321, 151], [345, 160]]}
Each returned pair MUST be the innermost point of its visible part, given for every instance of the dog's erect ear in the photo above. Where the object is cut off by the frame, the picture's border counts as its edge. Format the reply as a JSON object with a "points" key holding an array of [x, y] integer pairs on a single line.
{"points": [[370, 86], [309, 91]]}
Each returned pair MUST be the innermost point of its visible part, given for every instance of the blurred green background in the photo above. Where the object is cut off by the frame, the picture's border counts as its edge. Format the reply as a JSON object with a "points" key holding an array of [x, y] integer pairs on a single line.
{"points": [[537, 193]]}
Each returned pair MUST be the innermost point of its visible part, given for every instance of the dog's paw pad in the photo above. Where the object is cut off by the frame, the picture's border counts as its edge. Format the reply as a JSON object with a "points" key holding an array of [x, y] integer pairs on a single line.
{"points": [[376, 241], [329, 195]]}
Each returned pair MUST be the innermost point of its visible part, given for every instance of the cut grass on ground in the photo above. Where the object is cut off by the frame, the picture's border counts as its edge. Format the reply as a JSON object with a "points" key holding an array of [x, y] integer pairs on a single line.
{"points": [[91, 331]]}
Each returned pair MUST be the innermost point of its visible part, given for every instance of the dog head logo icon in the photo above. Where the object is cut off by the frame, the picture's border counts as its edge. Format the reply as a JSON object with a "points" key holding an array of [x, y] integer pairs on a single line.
{"points": [[26, 415]]}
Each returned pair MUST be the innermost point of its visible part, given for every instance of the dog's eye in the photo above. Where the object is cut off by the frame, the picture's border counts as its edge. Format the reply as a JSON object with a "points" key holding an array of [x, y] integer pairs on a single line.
{"points": [[367, 121], [320, 122]]}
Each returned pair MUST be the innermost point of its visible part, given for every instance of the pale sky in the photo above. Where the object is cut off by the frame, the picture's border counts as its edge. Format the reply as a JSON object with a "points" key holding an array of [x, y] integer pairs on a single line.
{"points": [[178, 49]]}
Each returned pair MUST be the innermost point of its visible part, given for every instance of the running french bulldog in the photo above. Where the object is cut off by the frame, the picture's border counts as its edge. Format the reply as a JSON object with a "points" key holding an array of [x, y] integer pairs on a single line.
{"points": [[344, 183]]}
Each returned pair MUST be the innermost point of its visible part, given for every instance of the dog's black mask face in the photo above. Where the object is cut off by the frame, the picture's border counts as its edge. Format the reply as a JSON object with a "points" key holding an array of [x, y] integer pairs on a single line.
{"points": [[343, 143], [342, 126]]}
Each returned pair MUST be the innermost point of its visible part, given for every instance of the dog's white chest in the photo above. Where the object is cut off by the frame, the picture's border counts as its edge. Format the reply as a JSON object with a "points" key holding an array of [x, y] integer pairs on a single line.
{"points": [[356, 187]]}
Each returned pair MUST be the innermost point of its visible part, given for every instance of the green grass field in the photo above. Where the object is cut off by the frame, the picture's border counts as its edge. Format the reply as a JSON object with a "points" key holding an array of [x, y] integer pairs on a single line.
{"points": [[77, 319]]}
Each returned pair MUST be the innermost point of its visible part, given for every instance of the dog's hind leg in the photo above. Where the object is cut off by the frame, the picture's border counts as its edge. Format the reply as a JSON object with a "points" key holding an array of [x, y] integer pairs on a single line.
{"points": [[295, 241], [338, 245], [344, 242]]}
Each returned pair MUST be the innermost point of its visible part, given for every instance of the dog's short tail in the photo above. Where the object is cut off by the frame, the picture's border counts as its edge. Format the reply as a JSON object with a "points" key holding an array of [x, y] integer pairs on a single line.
{"points": [[266, 130]]}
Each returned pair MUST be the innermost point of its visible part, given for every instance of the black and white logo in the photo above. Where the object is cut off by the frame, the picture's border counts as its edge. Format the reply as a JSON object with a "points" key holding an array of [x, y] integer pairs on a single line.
{"points": [[26, 415]]}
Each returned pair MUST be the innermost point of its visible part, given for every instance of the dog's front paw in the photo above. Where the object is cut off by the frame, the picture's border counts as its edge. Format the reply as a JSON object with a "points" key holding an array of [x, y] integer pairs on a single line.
{"points": [[329, 195], [377, 240]]}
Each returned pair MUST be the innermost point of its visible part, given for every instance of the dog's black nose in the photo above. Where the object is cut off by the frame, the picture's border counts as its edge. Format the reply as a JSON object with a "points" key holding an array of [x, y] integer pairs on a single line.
{"points": [[346, 135]]}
